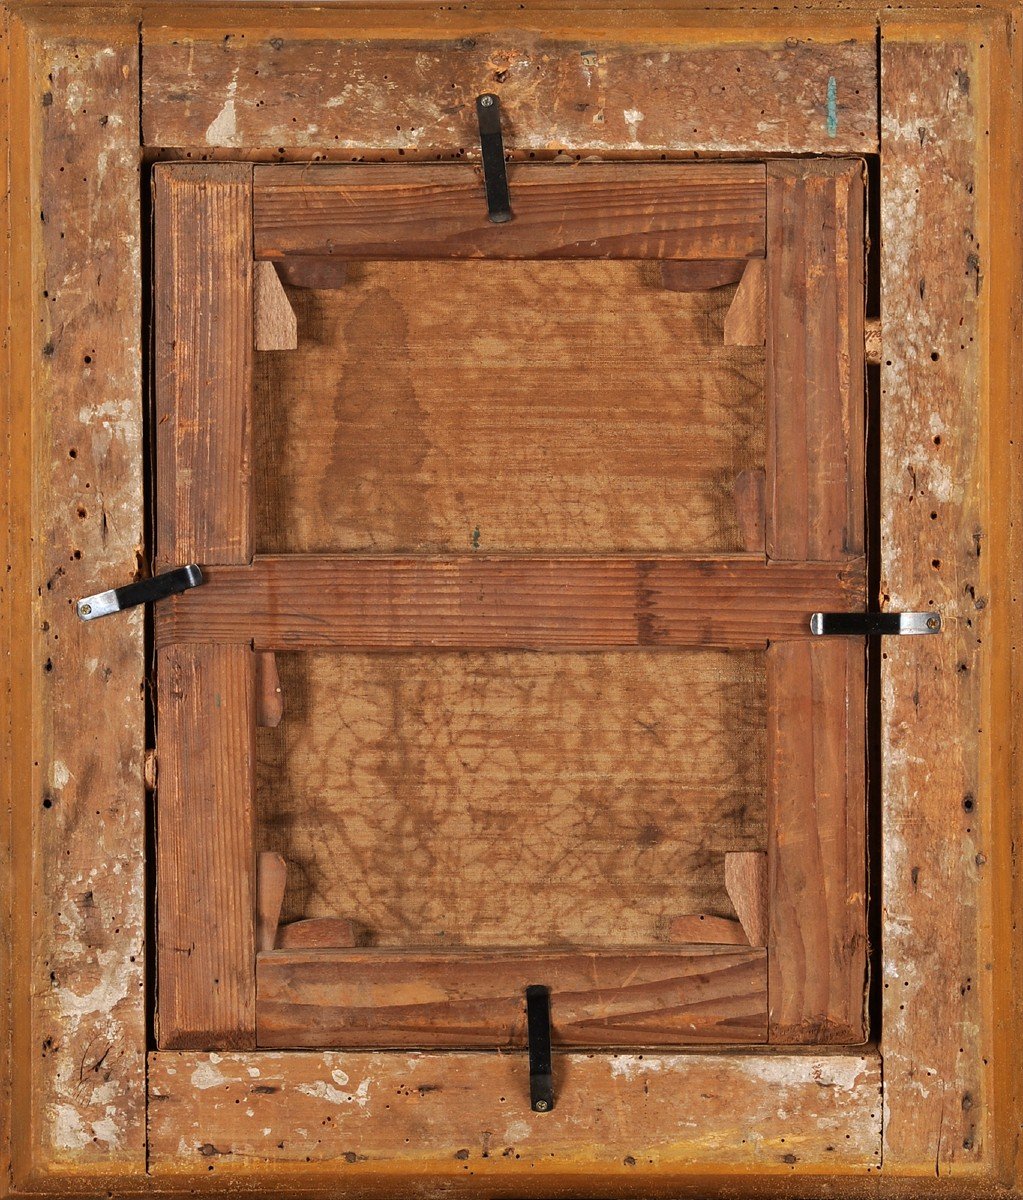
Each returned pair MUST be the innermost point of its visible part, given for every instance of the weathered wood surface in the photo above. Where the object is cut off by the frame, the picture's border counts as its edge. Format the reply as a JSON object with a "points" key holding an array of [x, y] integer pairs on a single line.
{"points": [[817, 852], [271, 881], [582, 210], [746, 322], [746, 885], [274, 324], [206, 897], [334, 998], [413, 92], [203, 319], [433, 799], [701, 928], [317, 933], [937, 550], [701, 275], [647, 1116], [646, 419], [317, 602], [269, 693], [71, 462], [815, 360]]}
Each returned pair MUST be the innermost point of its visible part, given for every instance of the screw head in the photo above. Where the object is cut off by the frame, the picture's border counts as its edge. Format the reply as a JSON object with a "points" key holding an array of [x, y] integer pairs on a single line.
{"points": [[85, 609], [932, 622], [540, 1106], [486, 101]]}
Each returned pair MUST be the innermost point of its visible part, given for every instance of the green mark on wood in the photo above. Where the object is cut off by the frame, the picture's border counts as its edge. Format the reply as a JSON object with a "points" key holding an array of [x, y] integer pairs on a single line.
{"points": [[832, 106], [476, 538]]}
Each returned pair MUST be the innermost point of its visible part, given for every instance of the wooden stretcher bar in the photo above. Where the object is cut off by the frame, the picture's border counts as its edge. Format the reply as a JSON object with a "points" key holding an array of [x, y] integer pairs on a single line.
{"points": [[323, 602]]}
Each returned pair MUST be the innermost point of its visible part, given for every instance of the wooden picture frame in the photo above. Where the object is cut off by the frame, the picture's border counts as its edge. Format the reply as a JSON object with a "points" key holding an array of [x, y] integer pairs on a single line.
{"points": [[98, 1110], [214, 991]]}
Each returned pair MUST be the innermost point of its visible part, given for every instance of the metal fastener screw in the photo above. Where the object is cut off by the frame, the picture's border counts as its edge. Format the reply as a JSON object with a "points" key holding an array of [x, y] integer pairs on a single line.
{"points": [[486, 101], [540, 1106], [85, 609], [932, 622]]}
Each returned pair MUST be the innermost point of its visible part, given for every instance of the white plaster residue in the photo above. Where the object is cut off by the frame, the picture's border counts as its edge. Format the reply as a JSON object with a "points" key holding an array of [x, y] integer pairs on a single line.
{"points": [[117, 977], [60, 776], [938, 426], [223, 129], [632, 118], [632, 1066], [841, 1072], [253, 1072], [206, 1075], [339, 1077], [517, 1131], [68, 1131], [105, 1130], [321, 1090]]}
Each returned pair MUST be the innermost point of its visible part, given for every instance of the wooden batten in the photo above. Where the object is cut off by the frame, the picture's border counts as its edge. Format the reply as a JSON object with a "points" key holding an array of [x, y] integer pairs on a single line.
{"points": [[815, 366], [476, 998], [817, 841], [308, 602], [206, 899], [204, 343], [592, 210], [206, 695]]}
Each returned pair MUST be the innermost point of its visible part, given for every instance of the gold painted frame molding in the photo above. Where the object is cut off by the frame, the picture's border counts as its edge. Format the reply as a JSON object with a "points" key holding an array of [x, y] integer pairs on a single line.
{"points": [[90, 97]]}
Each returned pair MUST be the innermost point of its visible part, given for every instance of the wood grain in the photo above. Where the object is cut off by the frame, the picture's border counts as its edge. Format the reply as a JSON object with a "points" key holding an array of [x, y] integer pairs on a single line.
{"points": [[701, 275], [317, 933], [300, 272], [310, 602], [403, 787], [940, 791], [390, 83], [719, 931], [203, 306], [274, 324], [206, 896], [586, 210], [746, 884], [72, 801], [651, 1119], [271, 881], [645, 422], [324, 999], [815, 378], [269, 693], [817, 841], [746, 322]]}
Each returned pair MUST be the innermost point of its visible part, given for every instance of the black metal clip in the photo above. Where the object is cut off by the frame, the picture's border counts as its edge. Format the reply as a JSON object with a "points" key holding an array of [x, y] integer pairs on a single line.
{"points": [[538, 1034], [495, 173], [874, 624], [170, 583]]}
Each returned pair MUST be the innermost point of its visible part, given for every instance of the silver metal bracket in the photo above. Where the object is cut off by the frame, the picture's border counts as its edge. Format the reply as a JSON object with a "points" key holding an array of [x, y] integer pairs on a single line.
{"points": [[170, 583], [874, 624]]}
